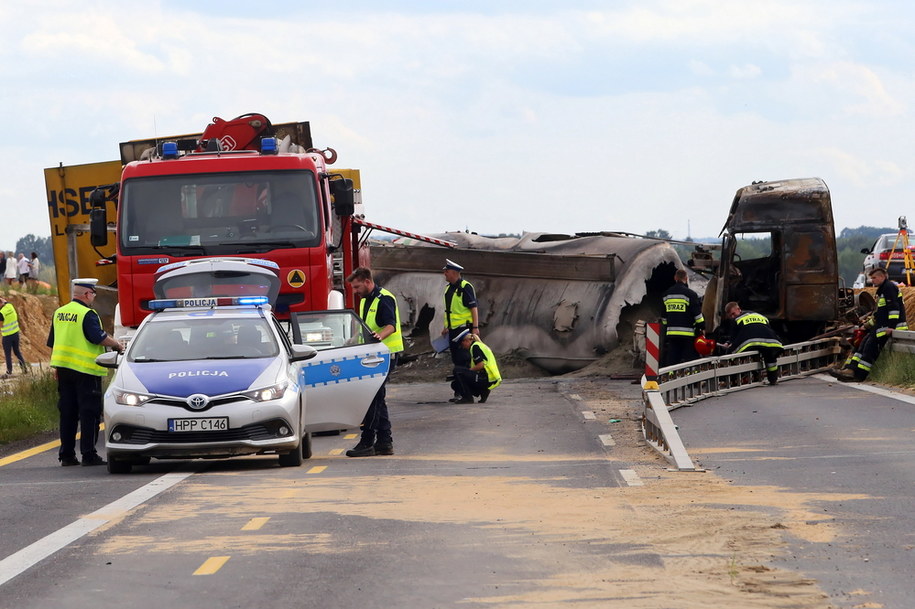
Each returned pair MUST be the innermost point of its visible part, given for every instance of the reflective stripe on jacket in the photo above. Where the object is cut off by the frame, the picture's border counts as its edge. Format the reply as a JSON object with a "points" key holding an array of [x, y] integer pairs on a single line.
{"points": [[10, 319], [394, 341], [71, 348]]}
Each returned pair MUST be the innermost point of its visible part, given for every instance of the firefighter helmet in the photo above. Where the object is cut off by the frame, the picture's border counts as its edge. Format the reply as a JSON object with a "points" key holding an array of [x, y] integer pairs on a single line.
{"points": [[704, 346]]}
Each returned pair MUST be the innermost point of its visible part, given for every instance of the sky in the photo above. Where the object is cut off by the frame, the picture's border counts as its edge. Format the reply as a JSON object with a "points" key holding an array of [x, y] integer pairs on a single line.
{"points": [[494, 117]]}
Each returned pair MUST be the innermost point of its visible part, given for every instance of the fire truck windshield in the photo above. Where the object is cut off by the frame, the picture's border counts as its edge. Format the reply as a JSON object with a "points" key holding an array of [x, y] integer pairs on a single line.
{"points": [[217, 213]]}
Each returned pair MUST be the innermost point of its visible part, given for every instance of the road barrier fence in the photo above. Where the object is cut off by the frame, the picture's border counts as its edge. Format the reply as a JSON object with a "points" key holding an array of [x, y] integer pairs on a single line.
{"points": [[686, 384]]}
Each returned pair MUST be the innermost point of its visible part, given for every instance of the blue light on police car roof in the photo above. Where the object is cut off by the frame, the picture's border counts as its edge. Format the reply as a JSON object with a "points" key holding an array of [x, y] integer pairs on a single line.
{"points": [[157, 305], [268, 145], [170, 150], [252, 300]]}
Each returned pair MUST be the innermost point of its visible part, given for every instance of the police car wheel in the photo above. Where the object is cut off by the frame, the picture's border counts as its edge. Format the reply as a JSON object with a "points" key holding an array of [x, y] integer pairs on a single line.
{"points": [[116, 466], [291, 459], [306, 445]]}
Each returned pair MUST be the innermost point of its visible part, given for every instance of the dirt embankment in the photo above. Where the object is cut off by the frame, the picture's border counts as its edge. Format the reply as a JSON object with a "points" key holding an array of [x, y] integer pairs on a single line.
{"points": [[35, 313]]}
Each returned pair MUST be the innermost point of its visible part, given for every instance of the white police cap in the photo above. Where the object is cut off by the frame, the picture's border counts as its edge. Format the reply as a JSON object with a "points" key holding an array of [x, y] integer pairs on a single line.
{"points": [[451, 265], [460, 336], [85, 282]]}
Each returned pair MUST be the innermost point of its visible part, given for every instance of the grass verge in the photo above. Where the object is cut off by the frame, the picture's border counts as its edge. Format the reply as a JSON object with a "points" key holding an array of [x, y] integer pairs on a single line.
{"points": [[28, 405], [894, 368]]}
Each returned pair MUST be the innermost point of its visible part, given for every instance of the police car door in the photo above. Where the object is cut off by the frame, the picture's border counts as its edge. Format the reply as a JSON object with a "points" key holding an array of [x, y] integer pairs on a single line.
{"points": [[342, 379]]}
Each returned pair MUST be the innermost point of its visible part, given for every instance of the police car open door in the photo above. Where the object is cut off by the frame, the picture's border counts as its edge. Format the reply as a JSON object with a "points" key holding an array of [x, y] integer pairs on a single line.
{"points": [[341, 381]]}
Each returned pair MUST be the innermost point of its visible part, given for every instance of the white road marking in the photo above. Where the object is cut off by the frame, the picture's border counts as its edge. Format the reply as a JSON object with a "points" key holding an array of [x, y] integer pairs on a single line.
{"points": [[587, 414], [631, 478], [607, 440], [887, 393], [16, 563], [574, 396]]}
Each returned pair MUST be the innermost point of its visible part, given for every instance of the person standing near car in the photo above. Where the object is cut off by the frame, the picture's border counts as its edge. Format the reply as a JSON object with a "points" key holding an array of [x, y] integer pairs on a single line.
{"points": [[76, 339], [378, 309], [10, 320]]}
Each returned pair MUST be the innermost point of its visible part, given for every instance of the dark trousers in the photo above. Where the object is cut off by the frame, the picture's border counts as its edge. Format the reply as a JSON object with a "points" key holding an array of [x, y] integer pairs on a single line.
{"points": [[468, 383], [459, 357], [80, 403], [769, 357], [866, 354], [376, 425], [678, 350], [10, 346]]}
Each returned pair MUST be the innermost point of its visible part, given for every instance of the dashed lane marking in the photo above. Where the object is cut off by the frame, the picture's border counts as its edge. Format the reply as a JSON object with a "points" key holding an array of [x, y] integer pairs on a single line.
{"points": [[212, 565], [16, 563], [317, 469], [336, 451], [631, 478], [255, 523], [607, 440], [574, 396], [350, 436], [588, 415]]}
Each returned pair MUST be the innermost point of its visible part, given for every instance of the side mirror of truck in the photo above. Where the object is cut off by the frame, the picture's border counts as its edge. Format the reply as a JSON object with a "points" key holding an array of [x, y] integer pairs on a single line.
{"points": [[344, 200], [98, 226]]}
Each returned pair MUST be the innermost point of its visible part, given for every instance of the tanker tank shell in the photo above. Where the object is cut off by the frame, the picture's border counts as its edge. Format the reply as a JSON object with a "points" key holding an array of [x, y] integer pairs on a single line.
{"points": [[560, 301]]}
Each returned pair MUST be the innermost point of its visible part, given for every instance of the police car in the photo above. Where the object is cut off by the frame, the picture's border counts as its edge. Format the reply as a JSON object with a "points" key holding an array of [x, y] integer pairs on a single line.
{"points": [[220, 376]]}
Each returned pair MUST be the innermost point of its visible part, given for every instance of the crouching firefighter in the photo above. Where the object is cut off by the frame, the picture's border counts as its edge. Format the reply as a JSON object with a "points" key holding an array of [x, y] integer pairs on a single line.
{"points": [[751, 332], [889, 316], [482, 376]]}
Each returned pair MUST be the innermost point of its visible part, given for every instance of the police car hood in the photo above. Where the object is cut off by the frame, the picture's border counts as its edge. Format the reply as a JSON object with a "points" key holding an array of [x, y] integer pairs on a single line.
{"points": [[209, 377]]}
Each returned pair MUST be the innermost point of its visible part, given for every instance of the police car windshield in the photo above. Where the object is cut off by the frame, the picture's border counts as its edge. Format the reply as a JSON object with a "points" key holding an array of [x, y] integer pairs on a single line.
{"points": [[196, 338]]}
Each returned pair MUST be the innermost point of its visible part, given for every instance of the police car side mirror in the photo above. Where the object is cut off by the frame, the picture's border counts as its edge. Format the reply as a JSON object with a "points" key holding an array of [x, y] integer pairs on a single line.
{"points": [[108, 360], [300, 353]]}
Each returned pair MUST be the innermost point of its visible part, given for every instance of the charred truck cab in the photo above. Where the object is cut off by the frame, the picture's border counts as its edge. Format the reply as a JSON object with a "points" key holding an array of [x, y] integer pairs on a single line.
{"points": [[778, 258]]}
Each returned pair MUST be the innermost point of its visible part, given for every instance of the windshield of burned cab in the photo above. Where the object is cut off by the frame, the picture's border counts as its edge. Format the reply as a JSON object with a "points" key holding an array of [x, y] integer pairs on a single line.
{"points": [[194, 338], [210, 211]]}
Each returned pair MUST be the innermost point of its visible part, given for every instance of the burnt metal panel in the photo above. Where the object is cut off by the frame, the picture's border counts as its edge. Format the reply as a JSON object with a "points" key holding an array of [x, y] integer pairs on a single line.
{"points": [[496, 263]]}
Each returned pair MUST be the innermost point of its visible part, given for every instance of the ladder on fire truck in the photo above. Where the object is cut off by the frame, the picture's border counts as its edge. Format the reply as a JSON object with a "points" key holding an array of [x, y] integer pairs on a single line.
{"points": [[902, 240]]}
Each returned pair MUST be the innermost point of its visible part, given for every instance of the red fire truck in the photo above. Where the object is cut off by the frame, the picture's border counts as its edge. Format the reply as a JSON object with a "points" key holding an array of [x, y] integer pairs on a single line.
{"points": [[244, 188]]}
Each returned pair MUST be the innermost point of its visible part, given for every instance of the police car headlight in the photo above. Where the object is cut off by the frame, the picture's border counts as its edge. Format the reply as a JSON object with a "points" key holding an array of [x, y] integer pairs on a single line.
{"points": [[130, 398], [264, 394]]}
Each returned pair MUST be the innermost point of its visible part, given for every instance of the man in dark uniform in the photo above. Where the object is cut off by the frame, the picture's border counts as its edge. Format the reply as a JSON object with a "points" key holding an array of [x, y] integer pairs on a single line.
{"points": [[751, 332], [681, 321], [483, 375], [889, 316], [378, 309], [461, 312], [76, 339]]}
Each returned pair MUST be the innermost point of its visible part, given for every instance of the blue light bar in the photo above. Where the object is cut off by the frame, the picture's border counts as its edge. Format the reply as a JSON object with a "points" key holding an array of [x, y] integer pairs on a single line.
{"points": [[207, 303], [268, 145], [170, 150]]}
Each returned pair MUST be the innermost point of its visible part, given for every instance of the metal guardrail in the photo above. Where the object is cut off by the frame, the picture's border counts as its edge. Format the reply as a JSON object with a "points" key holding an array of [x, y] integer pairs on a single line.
{"points": [[686, 384], [903, 341]]}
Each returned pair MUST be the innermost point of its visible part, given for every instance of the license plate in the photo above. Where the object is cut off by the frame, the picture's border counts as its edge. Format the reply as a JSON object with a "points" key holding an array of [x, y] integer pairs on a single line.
{"points": [[208, 424]]}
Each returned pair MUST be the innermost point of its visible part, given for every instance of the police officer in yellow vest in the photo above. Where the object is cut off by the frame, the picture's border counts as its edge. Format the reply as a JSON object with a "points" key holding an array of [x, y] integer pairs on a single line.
{"points": [[76, 339], [483, 375], [461, 311], [378, 309], [10, 320]]}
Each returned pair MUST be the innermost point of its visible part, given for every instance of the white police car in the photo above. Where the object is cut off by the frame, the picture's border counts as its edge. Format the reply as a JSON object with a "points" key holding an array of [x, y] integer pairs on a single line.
{"points": [[217, 377]]}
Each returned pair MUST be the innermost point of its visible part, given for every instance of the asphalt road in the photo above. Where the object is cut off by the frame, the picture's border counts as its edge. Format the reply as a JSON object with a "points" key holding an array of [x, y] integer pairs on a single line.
{"points": [[466, 511], [835, 441]]}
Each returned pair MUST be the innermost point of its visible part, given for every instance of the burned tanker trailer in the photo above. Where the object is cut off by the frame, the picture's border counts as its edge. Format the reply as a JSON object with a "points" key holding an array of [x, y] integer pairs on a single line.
{"points": [[559, 301]]}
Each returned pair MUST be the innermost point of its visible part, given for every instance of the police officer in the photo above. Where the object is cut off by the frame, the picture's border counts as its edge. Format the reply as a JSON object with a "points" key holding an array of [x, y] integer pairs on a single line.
{"points": [[751, 332], [681, 321], [10, 330], [483, 375], [461, 311], [889, 316], [378, 309], [76, 339]]}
